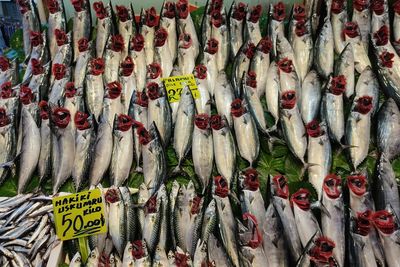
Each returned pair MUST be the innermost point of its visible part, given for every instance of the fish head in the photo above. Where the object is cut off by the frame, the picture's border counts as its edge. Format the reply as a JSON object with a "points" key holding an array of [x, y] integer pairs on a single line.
{"points": [[100, 10], [249, 50], [81, 120], [239, 11], [279, 11], [70, 90], [280, 186], [59, 71], [364, 104], [124, 122], [23, 6], [202, 121], [254, 14], [123, 13], [299, 12], [153, 90], [144, 135], [217, 122], [153, 71], [384, 221], [338, 85], [4, 118], [322, 251], [44, 110], [360, 5], [378, 7], [256, 237], [36, 38], [83, 44], [116, 43], [53, 6], [151, 205], [216, 18], [171, 257], [237, 108], [150, 17], [221, 186], [396, 7], [169, 10], [6, 90], [357, 184], [381, 36], [337, 6], [137, 42], [181, 258], [363, 222], [200, 72], [96, 66], [301, 199], [113, 90], [79, 5], [94, 254], [332, 186], [160, 37], [182, 9], [351, 30], [265, 45], [127, 66], [288, 99], [4, 63], [61, 37], [141, 99], [251, 79], [250, 179], [185, 40], [113, 195], [386, 59], [313, 129], [212, 46], [301, 28], [285, 65], [26, 95]]}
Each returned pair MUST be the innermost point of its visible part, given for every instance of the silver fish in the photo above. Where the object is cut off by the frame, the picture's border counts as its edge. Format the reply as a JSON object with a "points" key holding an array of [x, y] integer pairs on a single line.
{"points": [[94, 89], [237, 14], [209, 221], [345, 66], [361, 59], [172, 205], [324, 50], [260, 64], [94, 258], [80, 71], [104, 27], [272, 90], [39, 52], [303, 49], [8, 71], [126, 25], [168, 22], [203, 103], [64, 51], [245, 131], [379, 15], [148, 18], [206, 21], [388, 121], [162, 52], [39, 82], [122, 154], [202, 149], [7, 141], [216, 252], [57, 88], [241, 65], [333, 107], [112, 57], [73, 101], [76, 261], [85, 138], [127, 79], [210, 63], [362, 16], [253, 102], [224, 96], [112, 104], [319, 156], [56, 20], [338, 18], [220, 32], [128, 259], [138, 56], [310, 97], [276, 26], [44, 164], [186, 25], [102, 152], [367, 85], [186, 53], [30, 149], [30, 22], [224, 147], [285, 52], [200, 255], [82, 24], [160, 257], [130, 214]]}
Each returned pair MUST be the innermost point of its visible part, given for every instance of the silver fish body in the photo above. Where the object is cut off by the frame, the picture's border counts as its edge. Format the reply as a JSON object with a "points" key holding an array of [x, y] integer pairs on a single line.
{"points": [[170, 25], [44, 164], [338, 20], [275, 27], [30, 22], [368, 85], [111, 107], [362, 253], [148, 34], [224, 96], [241, 64], [221, 34], [117, 226], [285, 50], [7, 142], [345, 66], [103, 32], [94, 94], [391, 247], [216, 252], [307, 224], [255, 107], [363, 19], [111, 62], [379, 19], [128, 84], [324, 50], [186, 25], [272, 89], [260, 64], [39, 53], [209, 221], [388, 128], [139, 114], [55, 21], [40, 83], [333, 106], [57, 88], [361, 59], [82, 25], [303, 51], [310, 97], [203, 103], [202, 154], [236, 27], [81, 66]]}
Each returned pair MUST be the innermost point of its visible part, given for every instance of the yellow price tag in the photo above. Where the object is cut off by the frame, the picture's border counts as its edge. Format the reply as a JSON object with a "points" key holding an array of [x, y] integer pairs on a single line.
{"points": [[79, 215], [175, 84]]}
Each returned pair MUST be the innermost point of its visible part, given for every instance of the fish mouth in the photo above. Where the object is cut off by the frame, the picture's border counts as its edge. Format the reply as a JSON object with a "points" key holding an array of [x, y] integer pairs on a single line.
{"points": [[142, 99], [378, 7], [255, 14], [137, 249], [313, 129], [251, 79], [216, 18], [381, 36], [195, 209], [338, 85], [59, 71], [288, 99], [364, 104], [181, 259], [35, 38], [81, 120], [61, 117], [202, 121], [360, 5], [117, 43], [279, 13], [125, 122], [44, 110], [250, 50], [78, 5], [114, 90], [301, 199], [153, 90], [396, 7], [239, 13], [300, 28], [237, 109], [150, 17], [299, 12], [200, 72], [144, 135], [6, 90], [83, 44], [169, 10], [323, 250], [281, 186], [221, 186], [112, 195], [97, 66], [265, 45], [153, 70], [357, 184], [4, 64], [337, 6], [37, 68], [70, 90], [160, 37], [251, 181], [53, 6], [257, 238], [25, 95], [4, 119], [363, 223], [216, 122], [351, 29], [127, 66], [61, 37], [185, 40], [100, 10], [151, 205], [212, 46], [138, 42], [122, 13], [285, 65], [386, 59], [23, 6], [216, 5], [182, 8], [331, 186], [384, 221]]}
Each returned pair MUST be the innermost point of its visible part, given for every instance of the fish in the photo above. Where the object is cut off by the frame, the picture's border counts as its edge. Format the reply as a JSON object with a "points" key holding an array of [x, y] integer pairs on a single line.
{"points": [[311, 94], [216, 252], [333, 222], [359, 125], [272, 89], [280, 200], [39, 81], [160, 257], [324, 50], [277, 15], [172, 198], [62, 129], [128, 259], [333, 107], [352, 36], [82, 23], [205, 25], [241, 65], [56, 20], [186, 24], [128, 83], [345, 66], [303, 49], [362, 16], [319, 156], [186, 53], [149, 22], [138, 56], [162, 52], [112, 57], [388, 121], [84, 147], [154, 158], [224, 96], [379, 15], [202, 103], [85, 55], [168, 22], [184, 125], [236, 17], [102, 152], [93, 259], [224, 147], [7, 141], [260, 64], [30, 22], [116, 211], [122, 153], [126, 25], [9, 98], [141, 254], [246, 133], [273, 242], [210, 63], [8, 71], [209, 221], [202, 149], [159, 111], [187, 218], [200, 255], [44, 163], [94, 90], [289, 80], [30, 148], [292, 125], [338, 18], [368, 85], [112, 104], [64, 50], [62, 75], [73, 100], [39, 51], [76, 261], [220, 32], [226, 220], [298, 16], [386, 185]]}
